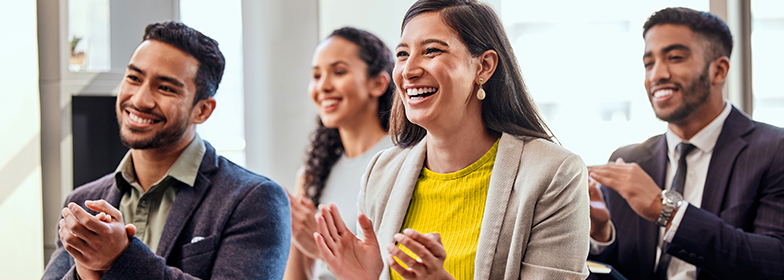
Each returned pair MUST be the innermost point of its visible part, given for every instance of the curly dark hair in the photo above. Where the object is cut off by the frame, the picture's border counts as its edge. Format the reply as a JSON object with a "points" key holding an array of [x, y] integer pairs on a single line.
{"points": [[203, 48], [326, 146], [707, 25], [508, 107]]}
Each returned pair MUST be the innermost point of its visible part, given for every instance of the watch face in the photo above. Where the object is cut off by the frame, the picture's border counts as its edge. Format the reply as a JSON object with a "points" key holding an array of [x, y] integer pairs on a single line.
{"points": [[672, 195]]}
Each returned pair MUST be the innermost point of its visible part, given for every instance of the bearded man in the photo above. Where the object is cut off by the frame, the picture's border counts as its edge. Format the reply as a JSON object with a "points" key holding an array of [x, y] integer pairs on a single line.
{"points": [[173, 209], [705, 199]]}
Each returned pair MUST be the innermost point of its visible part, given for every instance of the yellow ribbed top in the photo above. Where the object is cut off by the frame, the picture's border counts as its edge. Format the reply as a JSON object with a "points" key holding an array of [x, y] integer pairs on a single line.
{"points": [[451, 204]]}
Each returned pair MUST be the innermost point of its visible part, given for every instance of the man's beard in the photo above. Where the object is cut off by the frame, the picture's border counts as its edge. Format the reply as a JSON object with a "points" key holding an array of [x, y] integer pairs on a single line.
{"points": [[166, 137], [699, 88]]}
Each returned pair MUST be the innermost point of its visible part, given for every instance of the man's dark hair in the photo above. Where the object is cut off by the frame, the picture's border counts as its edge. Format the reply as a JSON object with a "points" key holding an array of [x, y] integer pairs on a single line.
{"points": [[196, 44], [707, 25]]}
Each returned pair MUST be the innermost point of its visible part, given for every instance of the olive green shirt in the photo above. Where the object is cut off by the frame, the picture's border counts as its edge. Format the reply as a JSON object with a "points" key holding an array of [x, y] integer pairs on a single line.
{"points": [[148, 211]]}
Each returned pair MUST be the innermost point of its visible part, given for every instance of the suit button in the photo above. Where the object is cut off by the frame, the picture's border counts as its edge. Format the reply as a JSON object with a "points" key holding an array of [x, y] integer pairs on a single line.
{"points": [[682, 252], [692, 255], [700, 258]]}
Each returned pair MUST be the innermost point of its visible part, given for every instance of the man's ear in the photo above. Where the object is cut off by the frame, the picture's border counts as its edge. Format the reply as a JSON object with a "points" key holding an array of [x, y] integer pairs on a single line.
{"points": [[721, 66], [202, 110], [488, 61], [378, 85]]}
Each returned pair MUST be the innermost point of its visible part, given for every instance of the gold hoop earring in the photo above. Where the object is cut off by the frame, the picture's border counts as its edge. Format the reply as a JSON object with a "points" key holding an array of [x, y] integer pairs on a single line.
{"points": [[480, 94]]}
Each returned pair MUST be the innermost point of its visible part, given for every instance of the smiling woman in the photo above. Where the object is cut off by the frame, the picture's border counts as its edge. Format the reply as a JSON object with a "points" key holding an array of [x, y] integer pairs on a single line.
{"points": [[352, 90], [436, 202]]}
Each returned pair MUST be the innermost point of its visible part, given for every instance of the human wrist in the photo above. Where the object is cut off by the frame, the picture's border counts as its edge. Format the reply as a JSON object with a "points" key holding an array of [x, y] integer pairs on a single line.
{"points": [[670, 202], [84, 273], [601, 232], [669, 222]]}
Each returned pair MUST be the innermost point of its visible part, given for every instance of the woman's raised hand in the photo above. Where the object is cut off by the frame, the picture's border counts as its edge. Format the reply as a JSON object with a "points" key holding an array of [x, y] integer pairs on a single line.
{"points": [[347, 256], [430, 250], [303, 225]]}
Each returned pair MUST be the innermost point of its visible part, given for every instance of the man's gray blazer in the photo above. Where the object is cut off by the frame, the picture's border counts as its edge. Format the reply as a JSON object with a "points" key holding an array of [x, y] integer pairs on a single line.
{"points": [[232, 224]]}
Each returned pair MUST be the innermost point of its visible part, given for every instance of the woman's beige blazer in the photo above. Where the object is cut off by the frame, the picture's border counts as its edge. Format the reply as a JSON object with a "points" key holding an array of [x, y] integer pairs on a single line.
{"points": [[536, 219]]}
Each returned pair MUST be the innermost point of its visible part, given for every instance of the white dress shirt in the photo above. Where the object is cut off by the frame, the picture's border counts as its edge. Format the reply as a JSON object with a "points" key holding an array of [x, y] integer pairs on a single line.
{"points": [[698, 162]]}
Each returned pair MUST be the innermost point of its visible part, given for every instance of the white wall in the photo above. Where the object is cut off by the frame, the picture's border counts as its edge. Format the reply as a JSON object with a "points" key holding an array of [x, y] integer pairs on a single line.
{"points": [[222, 21], [383, 18], [279, 37], [21, 231]]}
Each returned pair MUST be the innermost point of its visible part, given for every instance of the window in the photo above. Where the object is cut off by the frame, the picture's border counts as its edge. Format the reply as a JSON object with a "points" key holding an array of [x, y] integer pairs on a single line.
{"points": [[88, 35], [767, 41], [222, 21], [582, 64]]}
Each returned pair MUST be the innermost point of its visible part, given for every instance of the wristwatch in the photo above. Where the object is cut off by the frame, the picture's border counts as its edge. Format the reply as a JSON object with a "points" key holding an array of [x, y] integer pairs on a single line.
{"points": [[671, 200]]}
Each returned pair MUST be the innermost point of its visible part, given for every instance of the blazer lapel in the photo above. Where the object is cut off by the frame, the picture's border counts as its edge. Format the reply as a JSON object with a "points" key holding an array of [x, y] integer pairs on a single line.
{"points": [[400, 197], [113, 195], [502, 180], [722, 162], [186, 202], [656, 165]]}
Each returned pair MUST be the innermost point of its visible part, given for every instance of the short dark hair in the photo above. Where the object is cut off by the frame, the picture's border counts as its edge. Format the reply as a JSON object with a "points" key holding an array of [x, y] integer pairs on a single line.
{"points": [[196, 44], [508, 107], [707, 25]]}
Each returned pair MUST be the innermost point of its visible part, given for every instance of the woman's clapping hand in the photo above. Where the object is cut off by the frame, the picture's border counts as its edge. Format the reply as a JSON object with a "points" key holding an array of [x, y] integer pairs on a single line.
{"points": [[347, 256], [430, 250]]}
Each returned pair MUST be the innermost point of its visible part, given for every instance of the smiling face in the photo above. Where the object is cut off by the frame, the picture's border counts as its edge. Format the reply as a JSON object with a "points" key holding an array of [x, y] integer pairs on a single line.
{"points": [[435, 74], [677, 72], [155, 105], [339, 85]]}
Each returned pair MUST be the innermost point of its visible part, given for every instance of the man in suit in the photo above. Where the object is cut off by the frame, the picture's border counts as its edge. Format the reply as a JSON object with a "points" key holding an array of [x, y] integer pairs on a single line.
{"points": [[704, 200], [189, 212]]}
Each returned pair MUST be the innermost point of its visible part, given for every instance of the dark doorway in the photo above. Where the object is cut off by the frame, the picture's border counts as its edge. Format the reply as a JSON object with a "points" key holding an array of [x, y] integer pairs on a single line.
{"points": [[96, 138]]}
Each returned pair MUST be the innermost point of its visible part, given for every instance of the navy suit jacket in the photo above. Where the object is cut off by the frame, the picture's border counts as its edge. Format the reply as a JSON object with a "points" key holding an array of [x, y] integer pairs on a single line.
{"points": [[243, 218], [738, 233]]}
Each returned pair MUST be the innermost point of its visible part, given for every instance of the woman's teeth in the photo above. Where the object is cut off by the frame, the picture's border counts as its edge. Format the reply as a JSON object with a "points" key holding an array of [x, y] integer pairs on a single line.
{"points": [[414, 92], [328, 102]]}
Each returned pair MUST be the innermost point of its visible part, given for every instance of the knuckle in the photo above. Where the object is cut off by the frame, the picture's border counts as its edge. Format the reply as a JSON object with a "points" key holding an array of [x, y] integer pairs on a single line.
{"points": [[90, 223], [67, 238], [70, 223]]}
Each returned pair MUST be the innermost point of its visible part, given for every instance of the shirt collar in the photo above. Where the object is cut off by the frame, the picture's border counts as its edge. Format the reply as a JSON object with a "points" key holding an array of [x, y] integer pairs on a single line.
{"points": [[706, 138], [185, 169]]}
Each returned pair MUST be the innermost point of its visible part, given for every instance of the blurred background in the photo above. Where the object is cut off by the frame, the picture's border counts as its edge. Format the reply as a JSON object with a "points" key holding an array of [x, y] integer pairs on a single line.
{"points": [[63, 61]]}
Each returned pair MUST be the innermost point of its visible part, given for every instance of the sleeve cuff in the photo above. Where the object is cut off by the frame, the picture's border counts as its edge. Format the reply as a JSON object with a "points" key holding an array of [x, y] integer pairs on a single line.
{"points": [[676, 221], [599, 247]]}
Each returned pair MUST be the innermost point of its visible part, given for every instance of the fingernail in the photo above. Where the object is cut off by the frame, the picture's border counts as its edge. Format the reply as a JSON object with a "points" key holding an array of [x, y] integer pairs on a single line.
{"points": [[408, 231], [398, 236]]}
